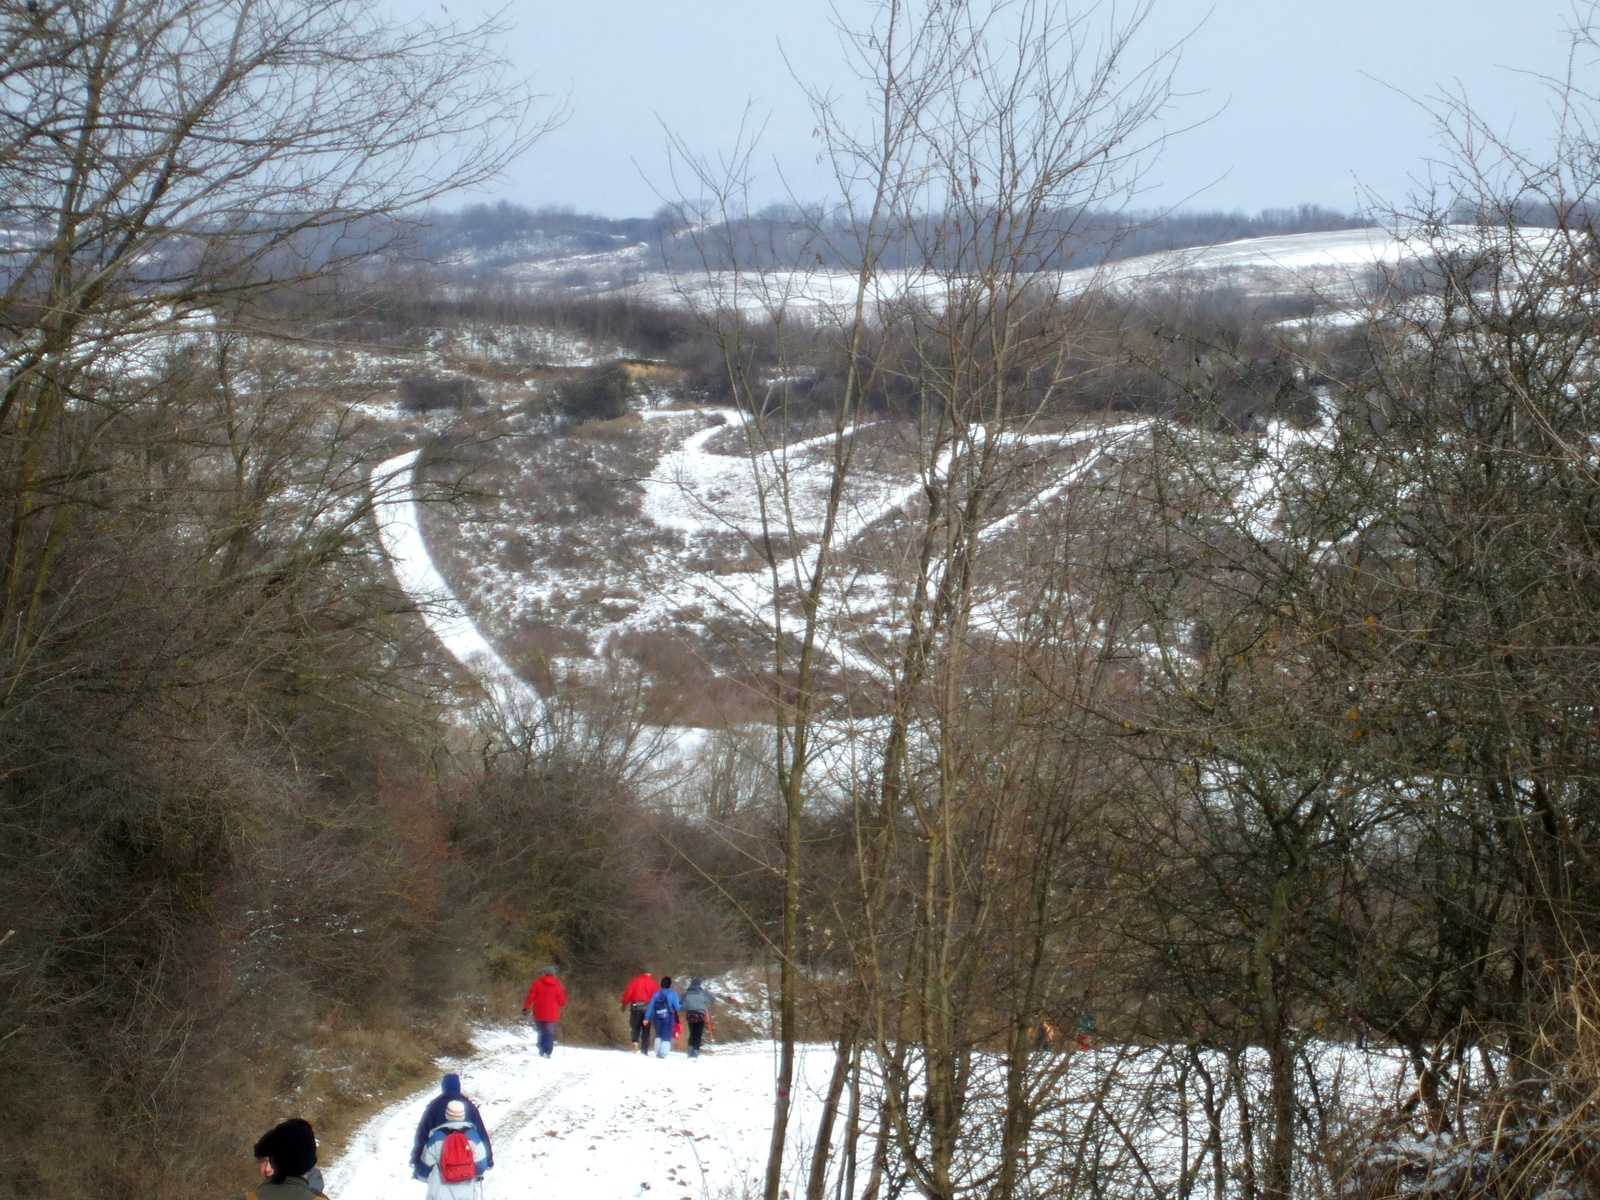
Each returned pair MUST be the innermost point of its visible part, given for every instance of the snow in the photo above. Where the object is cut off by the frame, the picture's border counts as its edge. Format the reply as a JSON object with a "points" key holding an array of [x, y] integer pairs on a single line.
{"points": [[694, 490], [1340, 248], [598, 1123]]}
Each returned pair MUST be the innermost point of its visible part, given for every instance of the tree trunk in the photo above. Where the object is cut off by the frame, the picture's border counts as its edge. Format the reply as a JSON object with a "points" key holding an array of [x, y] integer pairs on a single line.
{"points": [[843, 1060], [787, 984]]}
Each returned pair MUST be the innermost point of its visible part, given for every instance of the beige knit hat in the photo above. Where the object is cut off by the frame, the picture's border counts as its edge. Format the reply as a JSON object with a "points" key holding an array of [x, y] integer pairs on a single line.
{"points": [[455, 1111]]}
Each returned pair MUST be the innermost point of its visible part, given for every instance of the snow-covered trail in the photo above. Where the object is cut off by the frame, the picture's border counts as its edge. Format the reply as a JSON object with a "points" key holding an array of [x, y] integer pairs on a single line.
{"points": [[612, 1125], [596, 1124], [394, 509]]}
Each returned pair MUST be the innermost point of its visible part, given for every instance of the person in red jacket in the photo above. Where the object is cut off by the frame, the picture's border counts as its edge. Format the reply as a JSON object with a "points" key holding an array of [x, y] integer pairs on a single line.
{"points": [[545, 999], [635, 1000]]}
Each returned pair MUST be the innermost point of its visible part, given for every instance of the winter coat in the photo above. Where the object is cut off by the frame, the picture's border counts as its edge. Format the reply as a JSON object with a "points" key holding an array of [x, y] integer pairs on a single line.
{"points": [[434, 1116], [698, 1000], [290, 1189], [640, 990], [663, 1012], [545, 998], [438, 1189]]}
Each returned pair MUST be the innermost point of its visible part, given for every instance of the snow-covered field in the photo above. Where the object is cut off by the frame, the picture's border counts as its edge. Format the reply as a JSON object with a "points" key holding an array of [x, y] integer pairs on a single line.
{"points": [[591, 1124], [1336, 264]]}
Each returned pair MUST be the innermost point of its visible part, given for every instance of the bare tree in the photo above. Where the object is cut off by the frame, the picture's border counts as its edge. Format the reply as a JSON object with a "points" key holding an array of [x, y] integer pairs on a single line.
{"points": [[991, 130], [173, 166]]}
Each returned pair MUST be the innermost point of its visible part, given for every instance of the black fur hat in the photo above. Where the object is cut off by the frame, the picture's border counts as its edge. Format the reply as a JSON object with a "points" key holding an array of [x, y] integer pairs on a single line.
{"points": [[291, 1146]]}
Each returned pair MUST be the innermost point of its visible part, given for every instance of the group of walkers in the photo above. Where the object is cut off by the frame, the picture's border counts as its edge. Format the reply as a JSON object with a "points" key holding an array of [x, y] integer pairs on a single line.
{"points": [[451, 1149], [658, 1014]]}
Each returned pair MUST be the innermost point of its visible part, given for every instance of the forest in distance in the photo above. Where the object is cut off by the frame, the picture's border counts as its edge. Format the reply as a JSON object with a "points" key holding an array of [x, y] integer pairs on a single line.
{"points": [[984, 647]]}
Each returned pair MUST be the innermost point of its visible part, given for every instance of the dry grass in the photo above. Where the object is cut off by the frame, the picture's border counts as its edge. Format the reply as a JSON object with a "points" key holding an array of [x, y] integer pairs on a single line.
{"points": [[1533, 1133], [608, 430]]}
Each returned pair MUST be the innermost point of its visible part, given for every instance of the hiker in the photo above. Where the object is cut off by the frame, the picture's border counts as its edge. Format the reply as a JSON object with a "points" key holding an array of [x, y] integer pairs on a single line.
{"points": [[697, 1002], [663, 1014], [435, 1115], [1085, 1028], [286, 1155], [455, 1155], [635, 999], [265, 1165], [545, 998]]}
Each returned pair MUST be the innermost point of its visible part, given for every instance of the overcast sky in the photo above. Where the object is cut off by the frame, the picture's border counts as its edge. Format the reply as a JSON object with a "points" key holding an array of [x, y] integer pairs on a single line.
{"points": [[1309, 111]]}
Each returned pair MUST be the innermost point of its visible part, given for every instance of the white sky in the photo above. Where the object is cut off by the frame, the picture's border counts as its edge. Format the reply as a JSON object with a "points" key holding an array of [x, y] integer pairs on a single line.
{"points": [[1305, 88]]}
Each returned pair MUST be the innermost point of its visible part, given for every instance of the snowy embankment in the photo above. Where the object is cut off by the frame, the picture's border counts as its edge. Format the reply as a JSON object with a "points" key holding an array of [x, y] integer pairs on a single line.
{"points": [[597, 1123]]}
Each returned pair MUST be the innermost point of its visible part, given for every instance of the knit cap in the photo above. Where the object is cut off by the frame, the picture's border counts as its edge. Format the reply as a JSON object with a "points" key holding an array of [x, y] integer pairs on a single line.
{"points": [[455, 1111]]}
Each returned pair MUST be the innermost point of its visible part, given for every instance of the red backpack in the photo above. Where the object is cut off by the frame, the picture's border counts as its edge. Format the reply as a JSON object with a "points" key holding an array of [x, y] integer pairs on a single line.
{"points": [[456, 1164]]}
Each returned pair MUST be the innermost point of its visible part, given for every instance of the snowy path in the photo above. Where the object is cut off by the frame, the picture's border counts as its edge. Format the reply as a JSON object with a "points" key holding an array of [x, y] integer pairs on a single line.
{"points": [[596, 1124], [394, 510], [612, 1125]]}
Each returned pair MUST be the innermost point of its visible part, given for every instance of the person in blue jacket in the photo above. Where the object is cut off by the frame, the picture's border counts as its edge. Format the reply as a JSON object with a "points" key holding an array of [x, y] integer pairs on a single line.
{"points": [[663, 1015], [436, 1156], [434, 1116]]}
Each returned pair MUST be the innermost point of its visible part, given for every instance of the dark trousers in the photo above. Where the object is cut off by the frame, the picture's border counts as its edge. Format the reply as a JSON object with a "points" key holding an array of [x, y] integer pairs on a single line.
{"points": [[697, 1030], [639, 1028], [547, 1037]]}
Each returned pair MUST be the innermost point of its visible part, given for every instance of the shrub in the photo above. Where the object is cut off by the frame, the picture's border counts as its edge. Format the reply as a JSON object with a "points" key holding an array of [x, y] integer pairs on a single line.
{"points": [[425, 393], [601, 394]]}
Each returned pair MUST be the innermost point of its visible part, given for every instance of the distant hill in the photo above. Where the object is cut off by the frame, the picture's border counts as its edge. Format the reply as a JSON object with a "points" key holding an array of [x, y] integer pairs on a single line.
{"points": [[503, 233], [497, 239]]}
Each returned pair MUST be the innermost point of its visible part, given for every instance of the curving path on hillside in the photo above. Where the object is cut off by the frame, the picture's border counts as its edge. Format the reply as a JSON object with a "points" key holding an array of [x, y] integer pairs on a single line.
{"points": [[695, 491], [394, 512]]}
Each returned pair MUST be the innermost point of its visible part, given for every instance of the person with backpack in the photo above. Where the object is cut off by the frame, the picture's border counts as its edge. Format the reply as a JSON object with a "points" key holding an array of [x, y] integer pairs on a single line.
{"points": [[435, 1115], [663, 1014], [287, 1157], [545, 999], [697, 1002], [455, 1155], [635, 1000]]}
